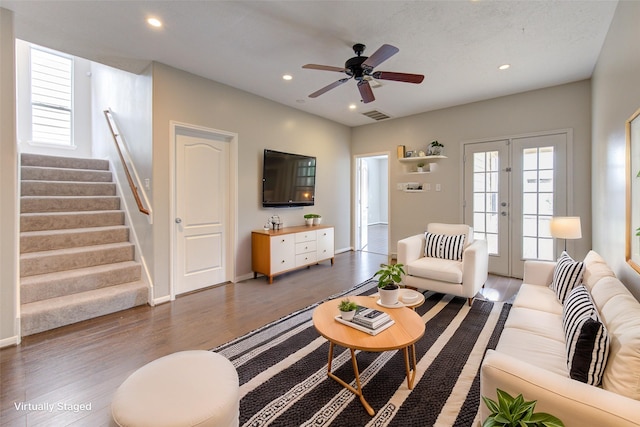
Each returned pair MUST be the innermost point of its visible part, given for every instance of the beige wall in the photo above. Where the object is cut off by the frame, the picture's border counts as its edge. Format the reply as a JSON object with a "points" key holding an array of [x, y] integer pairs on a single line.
{"points": [[259, 123], [8, 185], [560, 107], [616, 95]]}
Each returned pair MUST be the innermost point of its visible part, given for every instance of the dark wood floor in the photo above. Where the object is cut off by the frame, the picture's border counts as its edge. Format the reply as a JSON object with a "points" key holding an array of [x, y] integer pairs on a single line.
{"points": [[86, 362]]}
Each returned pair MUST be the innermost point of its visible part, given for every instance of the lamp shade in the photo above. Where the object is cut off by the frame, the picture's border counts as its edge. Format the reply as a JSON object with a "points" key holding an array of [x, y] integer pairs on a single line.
{"points": [[565, 227]]}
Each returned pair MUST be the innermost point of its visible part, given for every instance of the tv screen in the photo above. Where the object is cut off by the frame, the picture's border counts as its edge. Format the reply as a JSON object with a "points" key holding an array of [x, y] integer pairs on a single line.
{"points": [[288, 179]]}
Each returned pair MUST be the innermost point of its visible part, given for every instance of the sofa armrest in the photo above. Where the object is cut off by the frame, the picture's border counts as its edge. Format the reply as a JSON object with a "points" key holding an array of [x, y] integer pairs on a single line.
{"points": [[538, 272], [475, 266], [575, 403], [410, 249]]}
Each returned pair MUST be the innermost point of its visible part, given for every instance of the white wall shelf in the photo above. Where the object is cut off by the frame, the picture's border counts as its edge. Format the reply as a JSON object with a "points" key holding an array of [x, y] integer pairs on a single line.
{"points": [[424, 158]]}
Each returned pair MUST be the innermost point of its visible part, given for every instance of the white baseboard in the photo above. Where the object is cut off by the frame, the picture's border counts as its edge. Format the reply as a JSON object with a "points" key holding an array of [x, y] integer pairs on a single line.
{"points": [[162, 300], [11, 341]]}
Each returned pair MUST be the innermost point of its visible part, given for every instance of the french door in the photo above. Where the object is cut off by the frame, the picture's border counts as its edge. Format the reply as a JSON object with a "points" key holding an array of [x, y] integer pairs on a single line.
{"points": [[512, 188]]}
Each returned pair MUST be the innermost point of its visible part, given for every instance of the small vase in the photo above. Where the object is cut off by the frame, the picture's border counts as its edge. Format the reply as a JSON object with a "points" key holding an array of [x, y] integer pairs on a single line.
{"points": [[389, 296], [347, 315], [308, 221], [317, 221]]}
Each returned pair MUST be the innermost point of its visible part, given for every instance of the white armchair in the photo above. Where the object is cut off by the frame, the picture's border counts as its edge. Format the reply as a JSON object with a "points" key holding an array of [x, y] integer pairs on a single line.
{"points": [[462, 278]]}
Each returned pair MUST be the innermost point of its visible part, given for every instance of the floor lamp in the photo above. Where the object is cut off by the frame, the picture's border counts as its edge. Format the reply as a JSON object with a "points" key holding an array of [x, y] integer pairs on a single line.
{"points": [[565, 227]]}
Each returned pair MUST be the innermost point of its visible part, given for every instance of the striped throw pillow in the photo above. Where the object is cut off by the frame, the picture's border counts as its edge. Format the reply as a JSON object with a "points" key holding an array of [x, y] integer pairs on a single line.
{"points": [[443, 246], [566, 276], [586, 337]]}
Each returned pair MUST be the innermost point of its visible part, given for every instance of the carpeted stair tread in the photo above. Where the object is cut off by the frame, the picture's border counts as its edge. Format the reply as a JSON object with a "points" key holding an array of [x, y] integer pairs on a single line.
{"points": [[35, 241], [60, 283], [38, 221], [55, 312], [40, 173], [31, 204], [67, 188], [71, 258], [28, 159]]}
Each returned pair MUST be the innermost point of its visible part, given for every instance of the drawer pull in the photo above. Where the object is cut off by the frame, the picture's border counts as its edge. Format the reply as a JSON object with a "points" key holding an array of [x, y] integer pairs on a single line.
{"points": [[282, 240]]}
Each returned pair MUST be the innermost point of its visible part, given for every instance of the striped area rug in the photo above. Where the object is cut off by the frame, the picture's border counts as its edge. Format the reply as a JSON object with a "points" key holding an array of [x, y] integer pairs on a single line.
{"points": [[283, 370]]}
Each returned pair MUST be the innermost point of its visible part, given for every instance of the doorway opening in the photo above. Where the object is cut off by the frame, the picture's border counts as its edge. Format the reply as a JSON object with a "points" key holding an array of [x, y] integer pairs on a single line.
{"points": [[372, 203]]}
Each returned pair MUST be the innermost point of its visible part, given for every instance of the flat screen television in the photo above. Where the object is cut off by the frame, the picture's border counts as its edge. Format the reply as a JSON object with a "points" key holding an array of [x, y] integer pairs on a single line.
{"points": [[288, 180]]}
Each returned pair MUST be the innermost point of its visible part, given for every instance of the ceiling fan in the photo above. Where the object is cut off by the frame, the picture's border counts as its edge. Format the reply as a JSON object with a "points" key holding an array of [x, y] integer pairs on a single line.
{"points": [[361, 68]]}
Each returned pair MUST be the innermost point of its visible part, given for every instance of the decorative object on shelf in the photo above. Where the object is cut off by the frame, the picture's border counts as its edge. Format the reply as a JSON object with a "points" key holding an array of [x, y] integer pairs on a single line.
{"points": [[414, 186], [435, 148], [276, 223], [421, 166], [401, 149], [515, 411], [389, 276], [421, 153], [312, 219], [408, 153], [347, 309]]}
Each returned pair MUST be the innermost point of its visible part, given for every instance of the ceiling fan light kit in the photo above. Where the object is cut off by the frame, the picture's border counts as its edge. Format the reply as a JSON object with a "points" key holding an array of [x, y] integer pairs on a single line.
{"points": [[361, 68]]}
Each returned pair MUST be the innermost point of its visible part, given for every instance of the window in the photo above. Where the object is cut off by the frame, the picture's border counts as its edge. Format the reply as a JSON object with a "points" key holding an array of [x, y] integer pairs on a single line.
{"points": [[51, 97], [537, 202], [486, 170]]}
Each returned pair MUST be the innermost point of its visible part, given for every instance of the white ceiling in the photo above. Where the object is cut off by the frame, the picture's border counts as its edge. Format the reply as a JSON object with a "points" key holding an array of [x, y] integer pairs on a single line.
{"points": [[457, 45]]}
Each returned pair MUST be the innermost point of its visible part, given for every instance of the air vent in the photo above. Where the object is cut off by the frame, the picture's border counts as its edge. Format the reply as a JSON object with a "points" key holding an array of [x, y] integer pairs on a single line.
{"points": [[376, 115]]}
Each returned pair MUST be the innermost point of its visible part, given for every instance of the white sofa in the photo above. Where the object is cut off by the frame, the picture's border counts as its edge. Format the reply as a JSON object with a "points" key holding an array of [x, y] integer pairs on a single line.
{"points": [[461, 278], [530, 357]]}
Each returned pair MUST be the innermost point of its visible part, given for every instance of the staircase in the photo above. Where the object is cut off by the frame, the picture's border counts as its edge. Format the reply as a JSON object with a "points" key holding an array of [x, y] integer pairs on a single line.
{"points": [[76, 261]]}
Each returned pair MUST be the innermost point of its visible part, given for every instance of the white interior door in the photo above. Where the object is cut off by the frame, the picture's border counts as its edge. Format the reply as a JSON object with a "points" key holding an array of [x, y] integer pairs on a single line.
{"points": [[512, 189], [202, 201], [363, 202]]}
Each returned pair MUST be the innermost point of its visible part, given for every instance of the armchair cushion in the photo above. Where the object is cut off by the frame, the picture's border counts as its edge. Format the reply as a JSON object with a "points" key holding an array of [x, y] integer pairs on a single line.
{"points": [[443, 270], [444, 246]]}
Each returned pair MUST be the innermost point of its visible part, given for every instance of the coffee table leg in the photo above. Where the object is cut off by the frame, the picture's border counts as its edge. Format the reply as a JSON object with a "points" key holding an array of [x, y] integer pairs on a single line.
{"points": [[355, 390], [411, 370]]}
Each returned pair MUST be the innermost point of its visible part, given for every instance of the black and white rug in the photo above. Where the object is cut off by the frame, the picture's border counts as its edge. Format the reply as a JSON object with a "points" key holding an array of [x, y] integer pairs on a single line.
{"points": [[283, 370]]}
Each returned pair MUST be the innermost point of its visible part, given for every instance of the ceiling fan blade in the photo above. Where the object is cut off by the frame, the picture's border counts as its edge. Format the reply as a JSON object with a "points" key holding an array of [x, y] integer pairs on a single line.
{"points": [[329, 87], [365, 91], [383, 53], [398, 77], [324, 68]]}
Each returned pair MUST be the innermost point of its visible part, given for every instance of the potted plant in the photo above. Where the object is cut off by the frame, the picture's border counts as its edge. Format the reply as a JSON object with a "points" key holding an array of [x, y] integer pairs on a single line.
{"points": [[420, 167], [515, 411], [347, 309], [435, 148], [312, 219], [389, 276]]}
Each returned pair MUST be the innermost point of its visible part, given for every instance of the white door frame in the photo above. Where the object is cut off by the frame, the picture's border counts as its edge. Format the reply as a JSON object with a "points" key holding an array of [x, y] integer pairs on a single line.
{"points": [[356, 209], [177, 129]]}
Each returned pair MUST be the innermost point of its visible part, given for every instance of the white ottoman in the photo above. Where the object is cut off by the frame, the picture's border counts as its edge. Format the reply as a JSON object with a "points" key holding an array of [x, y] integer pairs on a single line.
{"points": [[188, 388]]}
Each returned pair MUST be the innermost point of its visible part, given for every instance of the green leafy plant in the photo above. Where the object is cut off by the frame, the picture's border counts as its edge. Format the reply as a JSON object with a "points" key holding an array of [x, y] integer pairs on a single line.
{"points": [[420, 164], [347, 305], [516, 412], [436, 144], [389, 274], [310, 215]]}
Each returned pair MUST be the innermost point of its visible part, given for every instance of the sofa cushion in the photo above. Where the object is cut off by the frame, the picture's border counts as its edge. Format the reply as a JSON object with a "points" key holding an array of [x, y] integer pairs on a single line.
{"points": [[443, 270], [535, 349], [566, 276], [444, 246], [537, 297], [595, 268], [620, 312], [586, 337], [538, 322]]}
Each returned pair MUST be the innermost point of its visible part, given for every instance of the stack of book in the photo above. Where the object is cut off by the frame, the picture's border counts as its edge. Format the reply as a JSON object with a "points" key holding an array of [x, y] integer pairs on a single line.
{"points": [[368, 320]]}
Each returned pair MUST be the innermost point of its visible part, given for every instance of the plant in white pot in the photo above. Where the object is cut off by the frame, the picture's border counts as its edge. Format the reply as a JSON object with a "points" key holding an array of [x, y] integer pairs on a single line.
{"points": [[389, 276], [347, 309]]}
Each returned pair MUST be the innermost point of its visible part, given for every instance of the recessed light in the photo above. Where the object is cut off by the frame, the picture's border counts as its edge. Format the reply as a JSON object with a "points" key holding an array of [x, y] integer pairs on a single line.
{"points": [[504, 66], [352, 106], [154, 22], [287, 77]]}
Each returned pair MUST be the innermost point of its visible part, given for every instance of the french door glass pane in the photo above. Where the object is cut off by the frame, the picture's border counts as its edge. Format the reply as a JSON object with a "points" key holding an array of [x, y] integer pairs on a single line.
{"points": [[537, 202], [485, 198]]}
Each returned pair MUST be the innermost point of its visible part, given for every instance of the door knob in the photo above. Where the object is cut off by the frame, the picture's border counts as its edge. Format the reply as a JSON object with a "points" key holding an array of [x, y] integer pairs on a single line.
{"points": [[178, 220], [503, 204], [503, 213]]}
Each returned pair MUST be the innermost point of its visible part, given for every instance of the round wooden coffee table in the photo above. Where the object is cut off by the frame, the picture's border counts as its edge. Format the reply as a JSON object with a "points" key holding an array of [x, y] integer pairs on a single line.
{"points": [[408, 329]]}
